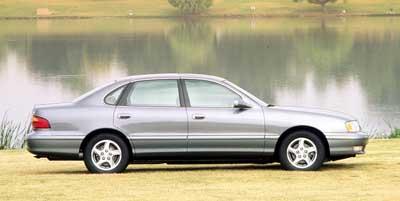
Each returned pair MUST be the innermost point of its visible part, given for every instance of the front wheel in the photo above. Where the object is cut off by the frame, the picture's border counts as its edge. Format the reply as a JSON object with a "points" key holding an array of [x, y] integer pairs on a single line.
{"points": [[106, 153], [302, 150]]}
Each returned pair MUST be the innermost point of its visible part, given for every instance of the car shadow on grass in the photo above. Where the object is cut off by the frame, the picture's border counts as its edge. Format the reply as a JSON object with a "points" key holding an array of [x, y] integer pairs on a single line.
{"points": [[228, 167], [176, 168], [341, 166]]}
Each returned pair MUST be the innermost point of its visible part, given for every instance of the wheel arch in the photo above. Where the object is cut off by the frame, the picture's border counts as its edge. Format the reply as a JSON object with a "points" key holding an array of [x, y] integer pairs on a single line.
{"points": [[311, 129], [107, 131]]}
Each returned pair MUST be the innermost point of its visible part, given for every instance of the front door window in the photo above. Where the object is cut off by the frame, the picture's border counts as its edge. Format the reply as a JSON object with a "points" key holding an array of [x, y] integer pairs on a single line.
{"points": [[208, 94]]}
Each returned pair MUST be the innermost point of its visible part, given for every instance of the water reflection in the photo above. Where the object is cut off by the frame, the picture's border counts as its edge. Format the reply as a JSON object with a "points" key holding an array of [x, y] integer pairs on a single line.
{"points": [[346, 65], [192, 45]]}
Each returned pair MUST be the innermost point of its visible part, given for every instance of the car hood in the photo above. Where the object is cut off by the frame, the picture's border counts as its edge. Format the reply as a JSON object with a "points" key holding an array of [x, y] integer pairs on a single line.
{"points": [[312, 111]]}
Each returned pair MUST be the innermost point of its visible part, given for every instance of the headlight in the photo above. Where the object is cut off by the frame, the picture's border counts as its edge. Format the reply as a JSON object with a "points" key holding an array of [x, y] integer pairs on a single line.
{"points": [[352, 126]]}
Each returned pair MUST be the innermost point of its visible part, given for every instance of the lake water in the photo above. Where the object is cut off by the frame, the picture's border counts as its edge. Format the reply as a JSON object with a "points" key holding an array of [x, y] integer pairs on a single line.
{"points": [[345, 64]]}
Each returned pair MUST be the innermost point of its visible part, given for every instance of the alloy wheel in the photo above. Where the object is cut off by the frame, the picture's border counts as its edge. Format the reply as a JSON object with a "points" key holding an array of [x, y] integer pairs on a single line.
{"points": [[106, 155], [302, 153]]}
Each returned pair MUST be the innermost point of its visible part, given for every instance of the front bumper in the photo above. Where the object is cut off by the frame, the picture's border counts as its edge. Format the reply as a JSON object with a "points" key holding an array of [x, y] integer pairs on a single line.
{"points": [[54, 145], [347, 143]]}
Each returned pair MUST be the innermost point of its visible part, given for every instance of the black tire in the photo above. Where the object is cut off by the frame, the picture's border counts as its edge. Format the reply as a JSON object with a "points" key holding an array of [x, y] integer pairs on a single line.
{"points": [[124, 160], [320, 148]]}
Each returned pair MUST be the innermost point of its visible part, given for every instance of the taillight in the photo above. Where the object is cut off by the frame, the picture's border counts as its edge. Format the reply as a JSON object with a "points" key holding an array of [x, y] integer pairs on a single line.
{"points": [[39, 123]]}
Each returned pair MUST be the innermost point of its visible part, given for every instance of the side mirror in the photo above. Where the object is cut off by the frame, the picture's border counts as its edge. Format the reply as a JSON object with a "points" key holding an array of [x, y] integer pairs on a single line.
{"points": [[240, 104]]}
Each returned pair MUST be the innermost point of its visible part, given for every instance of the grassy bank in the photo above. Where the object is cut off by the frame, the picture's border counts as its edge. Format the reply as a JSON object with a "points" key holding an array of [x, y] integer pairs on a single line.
{"points": [[12, 133], [161, 8], [373, 176]]}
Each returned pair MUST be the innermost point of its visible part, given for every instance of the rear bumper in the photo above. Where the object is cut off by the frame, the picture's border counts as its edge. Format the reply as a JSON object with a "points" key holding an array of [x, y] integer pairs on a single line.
{"points": [[54, 146], [347, 143]]}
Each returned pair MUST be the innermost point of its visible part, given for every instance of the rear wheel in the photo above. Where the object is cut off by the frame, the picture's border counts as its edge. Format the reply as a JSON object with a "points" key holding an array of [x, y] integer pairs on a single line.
{"points": [[302, 150], [106, 153]]}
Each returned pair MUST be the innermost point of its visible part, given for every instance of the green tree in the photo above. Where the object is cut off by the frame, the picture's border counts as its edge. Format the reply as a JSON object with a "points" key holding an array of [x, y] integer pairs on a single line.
{"points": [[320, 2], [191, 6]]}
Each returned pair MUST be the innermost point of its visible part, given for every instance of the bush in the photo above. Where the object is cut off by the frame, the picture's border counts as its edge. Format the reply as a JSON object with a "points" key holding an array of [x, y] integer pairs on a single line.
{"points": [[319, 2], [12, 134], [395, 133], [191, 6]]}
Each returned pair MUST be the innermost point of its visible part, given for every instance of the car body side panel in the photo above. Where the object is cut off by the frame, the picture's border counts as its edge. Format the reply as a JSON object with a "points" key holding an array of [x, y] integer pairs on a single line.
{"points": [[279, 119], [226, 130], [78, 119], [154, 130], [331, 124], [70, 123]]}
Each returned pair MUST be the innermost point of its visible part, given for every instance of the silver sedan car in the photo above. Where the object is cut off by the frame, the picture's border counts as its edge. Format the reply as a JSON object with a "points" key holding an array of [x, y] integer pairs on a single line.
{"points": [[188, 118]]}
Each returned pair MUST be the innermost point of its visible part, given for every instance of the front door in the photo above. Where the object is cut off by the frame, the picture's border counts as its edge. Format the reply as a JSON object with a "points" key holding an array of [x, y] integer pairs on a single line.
{"points": [[218, 129], [152, 115]]}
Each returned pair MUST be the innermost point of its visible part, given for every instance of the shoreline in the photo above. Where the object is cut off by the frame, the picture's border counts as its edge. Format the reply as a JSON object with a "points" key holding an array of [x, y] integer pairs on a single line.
{"points": [[227, 16]]}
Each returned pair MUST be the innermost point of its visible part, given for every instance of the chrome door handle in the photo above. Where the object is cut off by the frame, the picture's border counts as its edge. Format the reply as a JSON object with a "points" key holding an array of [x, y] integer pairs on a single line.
{"points": [[124, 116], [198, 116]]}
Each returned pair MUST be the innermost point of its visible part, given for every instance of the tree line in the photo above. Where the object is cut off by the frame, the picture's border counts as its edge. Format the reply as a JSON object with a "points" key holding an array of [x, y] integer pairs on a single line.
{"points": [[198, 6]]}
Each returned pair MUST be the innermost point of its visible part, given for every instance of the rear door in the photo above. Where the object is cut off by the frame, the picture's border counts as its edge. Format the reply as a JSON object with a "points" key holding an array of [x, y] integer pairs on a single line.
{"points": [[151, 113]]}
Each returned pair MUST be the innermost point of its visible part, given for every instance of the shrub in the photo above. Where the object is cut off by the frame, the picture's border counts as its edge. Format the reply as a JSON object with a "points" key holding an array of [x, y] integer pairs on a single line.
{"points": [[12, 134], [395, 133], [319, 2], [191, 6]]}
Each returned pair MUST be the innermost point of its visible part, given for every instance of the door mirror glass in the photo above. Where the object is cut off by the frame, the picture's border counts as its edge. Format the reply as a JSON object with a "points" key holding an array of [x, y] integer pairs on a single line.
{"points": [[240, 104]]}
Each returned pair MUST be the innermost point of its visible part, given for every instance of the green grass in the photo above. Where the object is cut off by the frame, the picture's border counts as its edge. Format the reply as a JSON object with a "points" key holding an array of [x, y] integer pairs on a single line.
{"points": [[12, 133], [395, 133], [374, 176], [161, 8]]}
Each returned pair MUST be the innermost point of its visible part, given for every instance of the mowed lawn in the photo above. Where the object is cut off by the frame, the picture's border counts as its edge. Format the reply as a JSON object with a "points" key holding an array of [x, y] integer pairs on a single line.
{"points": [[374, 176], [161, 8]]}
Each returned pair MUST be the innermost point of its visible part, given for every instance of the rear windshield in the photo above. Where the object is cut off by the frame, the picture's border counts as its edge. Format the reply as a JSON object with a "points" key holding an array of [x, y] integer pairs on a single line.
{"points": [[93, 91]]}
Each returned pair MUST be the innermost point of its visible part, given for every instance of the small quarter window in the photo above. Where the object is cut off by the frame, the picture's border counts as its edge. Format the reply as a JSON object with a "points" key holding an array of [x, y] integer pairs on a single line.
{"points": [[113, 97]]}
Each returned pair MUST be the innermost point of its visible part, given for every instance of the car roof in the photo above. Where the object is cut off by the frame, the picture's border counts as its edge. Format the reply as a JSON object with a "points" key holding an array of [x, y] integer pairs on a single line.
{"points": [[172, 75]]}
